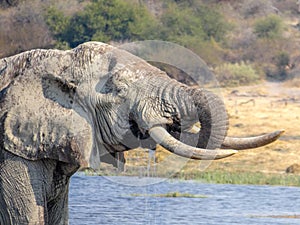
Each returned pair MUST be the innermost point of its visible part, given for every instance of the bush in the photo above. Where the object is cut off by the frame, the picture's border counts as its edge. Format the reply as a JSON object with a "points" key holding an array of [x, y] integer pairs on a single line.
{"points": [[180, 24], [118, 20], [270, 27], [281, 67], [185, 21], [236, 74], [104, 21], [57, 23]]}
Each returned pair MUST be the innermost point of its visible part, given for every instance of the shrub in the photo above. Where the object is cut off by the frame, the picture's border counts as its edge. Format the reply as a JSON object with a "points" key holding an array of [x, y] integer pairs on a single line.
{"points": [[180, 24], [184, 21], [281, 67], [236, 74], [282, 60], [213, 23], [269, 27], [102, 20], [118, 20], [57, 23]]}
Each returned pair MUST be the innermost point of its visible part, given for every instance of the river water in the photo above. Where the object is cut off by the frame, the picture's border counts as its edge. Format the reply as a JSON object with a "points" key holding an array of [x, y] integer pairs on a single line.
{"points": [[129, 200]]}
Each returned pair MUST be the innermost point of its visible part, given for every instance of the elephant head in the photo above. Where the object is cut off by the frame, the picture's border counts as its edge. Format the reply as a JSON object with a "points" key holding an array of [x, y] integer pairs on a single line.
{"points": [[93, 102]]}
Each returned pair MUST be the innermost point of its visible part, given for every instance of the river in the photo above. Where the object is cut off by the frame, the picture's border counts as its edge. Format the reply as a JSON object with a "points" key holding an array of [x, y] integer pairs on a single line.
{"points": [[131, 200]]}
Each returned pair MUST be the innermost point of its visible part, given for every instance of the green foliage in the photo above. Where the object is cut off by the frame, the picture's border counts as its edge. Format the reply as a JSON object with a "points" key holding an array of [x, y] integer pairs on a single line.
{"points": [[180, 23], [106, 20], [269, 27], [145, 25], [57, 23], [213, 23], [252, 178], [236, 74], [192, 21], [118, 20], [282, 61], [102, 21]]}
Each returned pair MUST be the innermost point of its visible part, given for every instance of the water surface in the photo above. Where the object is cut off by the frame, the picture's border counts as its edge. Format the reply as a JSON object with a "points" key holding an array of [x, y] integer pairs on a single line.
{"points": [[113, 200]]}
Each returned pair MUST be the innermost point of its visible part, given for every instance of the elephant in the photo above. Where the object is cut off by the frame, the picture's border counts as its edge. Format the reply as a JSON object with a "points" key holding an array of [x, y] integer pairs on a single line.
{"points": [[64, 110]]}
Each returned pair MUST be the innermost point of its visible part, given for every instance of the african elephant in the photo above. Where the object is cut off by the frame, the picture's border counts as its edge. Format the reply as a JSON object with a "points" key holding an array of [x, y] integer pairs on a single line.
{"points": [[65, 110]]}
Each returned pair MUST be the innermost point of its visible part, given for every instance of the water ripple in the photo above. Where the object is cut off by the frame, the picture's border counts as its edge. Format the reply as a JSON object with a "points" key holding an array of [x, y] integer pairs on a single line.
{"points": [[105, 200]]}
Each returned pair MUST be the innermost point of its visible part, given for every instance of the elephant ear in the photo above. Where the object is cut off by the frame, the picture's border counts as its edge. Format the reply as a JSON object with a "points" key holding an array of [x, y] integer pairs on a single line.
{"points": [[59, 90], [38, 121]]}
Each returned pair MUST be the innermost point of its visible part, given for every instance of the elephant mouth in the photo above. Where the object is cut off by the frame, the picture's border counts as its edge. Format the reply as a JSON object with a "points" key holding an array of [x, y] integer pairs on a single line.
{"points": [[170, 141], [168, 136]]}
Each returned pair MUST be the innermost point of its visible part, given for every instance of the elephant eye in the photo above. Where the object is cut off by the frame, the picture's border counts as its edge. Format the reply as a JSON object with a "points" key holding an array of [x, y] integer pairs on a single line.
{"points": [[122, 91]]}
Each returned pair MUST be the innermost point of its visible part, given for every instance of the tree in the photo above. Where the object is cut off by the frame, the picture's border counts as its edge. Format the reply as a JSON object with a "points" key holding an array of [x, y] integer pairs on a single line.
{"points": [[103, 20], [58, 24]]}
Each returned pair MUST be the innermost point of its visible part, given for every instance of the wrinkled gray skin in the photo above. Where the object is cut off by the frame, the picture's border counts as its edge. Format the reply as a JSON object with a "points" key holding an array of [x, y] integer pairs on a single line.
{"points": [[65, 110]]}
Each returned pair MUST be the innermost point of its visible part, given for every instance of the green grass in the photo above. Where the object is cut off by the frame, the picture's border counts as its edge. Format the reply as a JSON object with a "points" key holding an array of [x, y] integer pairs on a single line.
{"points": [[170, 195], [218, 177], [223, 177]]}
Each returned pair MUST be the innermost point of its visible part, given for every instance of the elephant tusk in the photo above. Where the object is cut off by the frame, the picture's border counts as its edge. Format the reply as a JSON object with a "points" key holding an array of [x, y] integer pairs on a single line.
{"points": [[251, 142], [162, 137]]}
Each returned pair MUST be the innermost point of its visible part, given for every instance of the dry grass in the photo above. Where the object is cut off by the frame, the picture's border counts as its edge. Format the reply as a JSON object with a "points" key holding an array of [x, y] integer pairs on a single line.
{"points": [[260, 109], [293, 83]]}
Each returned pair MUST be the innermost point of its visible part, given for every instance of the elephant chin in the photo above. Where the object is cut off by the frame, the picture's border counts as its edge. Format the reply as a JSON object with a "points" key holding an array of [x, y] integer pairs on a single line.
{"points": [[162, 137]]}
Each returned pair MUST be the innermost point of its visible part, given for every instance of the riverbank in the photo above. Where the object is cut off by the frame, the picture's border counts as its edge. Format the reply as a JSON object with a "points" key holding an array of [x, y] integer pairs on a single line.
{"points": [[215, 177]]}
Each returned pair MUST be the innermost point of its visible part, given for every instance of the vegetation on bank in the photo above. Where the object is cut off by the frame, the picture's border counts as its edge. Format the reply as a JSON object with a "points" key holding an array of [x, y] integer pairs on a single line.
{"points": [[225, 177], [220, 177], [236, 74], [232, 37]]}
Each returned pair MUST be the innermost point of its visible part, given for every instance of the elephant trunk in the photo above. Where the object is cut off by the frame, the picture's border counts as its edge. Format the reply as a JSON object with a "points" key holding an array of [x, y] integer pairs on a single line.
{"points": [[212, 117], [209, 110]]}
